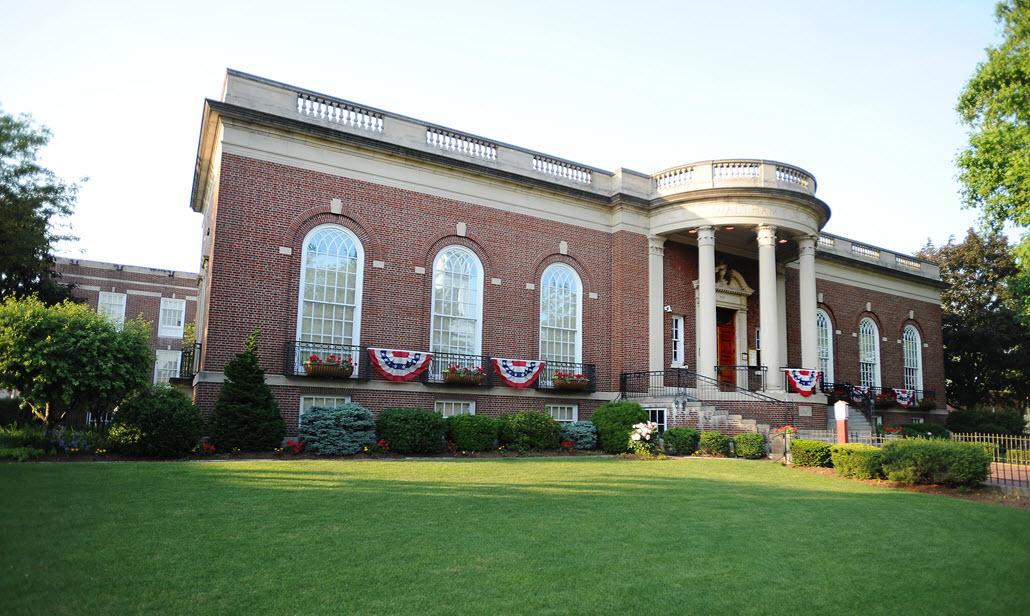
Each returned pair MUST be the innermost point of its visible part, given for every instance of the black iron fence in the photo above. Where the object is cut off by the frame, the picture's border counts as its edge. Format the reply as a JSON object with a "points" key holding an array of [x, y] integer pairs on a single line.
{"points": [[459, 369], [754, 377], [568, 377], [189, 364], [1010, 457], [298, 352]]}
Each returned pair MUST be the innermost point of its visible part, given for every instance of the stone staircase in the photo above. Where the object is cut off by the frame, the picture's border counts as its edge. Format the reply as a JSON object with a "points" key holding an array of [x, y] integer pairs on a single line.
{"points": [[857, 422], [707, 417]]}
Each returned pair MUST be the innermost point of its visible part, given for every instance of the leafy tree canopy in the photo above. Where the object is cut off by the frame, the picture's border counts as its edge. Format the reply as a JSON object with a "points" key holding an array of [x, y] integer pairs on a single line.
{"points": [[986, 347], [32, 198], [66, 357]]}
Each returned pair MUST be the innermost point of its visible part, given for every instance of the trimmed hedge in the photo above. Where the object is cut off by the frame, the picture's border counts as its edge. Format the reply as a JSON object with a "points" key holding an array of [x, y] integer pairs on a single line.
{"points": [[412, 430], [160, 422], [750, 445], [926, 461], [857, 460], [614, 422], [681, 441], [985, 422], [472, 432], [810, 453], [923, 430], [583, 434], [529, 431], [342, 430], [714, 444]]}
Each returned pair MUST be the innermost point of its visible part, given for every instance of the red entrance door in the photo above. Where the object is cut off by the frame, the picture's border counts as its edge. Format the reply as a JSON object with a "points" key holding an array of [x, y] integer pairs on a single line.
{"points": [[727, 351]]}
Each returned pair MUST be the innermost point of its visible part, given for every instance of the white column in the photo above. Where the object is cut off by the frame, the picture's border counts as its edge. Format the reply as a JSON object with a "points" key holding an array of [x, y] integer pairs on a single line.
{"points": [[806, 282], [707, 341], [768, 305], [656, 302]]}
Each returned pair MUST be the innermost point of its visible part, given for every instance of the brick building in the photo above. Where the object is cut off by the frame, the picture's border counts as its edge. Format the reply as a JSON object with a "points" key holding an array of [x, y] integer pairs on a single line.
{"points": [[334, 228], [166, 298]]}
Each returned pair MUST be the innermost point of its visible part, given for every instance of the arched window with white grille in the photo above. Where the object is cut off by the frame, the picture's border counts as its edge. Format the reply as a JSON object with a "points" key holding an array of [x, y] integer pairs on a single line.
{"points": [[457, 316], [824, 334], [561, 308], [913, 351], [331, 277], [868, 353]]}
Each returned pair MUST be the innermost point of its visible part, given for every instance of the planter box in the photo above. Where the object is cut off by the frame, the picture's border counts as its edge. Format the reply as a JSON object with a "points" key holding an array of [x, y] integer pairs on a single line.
{"points": [[560, 383], [454, 378], [328, 371]]}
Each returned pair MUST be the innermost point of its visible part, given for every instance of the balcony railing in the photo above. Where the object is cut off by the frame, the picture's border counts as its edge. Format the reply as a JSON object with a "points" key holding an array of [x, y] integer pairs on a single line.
{"points": [[435, 372], [298, 351], [189, 364], [546, 379], [754, 377]]}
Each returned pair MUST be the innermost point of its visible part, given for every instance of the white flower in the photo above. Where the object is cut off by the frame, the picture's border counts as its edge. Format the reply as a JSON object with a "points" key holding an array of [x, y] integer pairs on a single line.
{"points": [[635, 437]]}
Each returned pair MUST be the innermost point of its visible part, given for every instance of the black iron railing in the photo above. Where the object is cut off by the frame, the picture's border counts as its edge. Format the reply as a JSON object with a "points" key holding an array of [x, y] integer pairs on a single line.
{"points": [[753, 376], [547, 379], [189, 363], [298, 351], [440, 362]]}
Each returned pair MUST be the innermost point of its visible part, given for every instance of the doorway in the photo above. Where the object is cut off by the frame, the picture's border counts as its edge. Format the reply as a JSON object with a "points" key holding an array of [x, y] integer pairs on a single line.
{"points": [[726, 334]]}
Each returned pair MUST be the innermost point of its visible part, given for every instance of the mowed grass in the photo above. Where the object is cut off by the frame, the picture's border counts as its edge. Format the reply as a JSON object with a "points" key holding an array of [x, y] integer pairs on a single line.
{"points": [[507, 536]]}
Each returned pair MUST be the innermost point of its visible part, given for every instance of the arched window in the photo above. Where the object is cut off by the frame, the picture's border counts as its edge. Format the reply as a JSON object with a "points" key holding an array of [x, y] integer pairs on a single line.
{"points": [[457, 319], [561, 307], [868, 353], [329, 312], [913, 347], [824, 334]]}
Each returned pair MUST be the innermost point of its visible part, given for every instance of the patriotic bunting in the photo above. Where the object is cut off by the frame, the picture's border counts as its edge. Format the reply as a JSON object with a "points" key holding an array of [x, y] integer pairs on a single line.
{"points": [[518, 373], [905, 397], [859, 393], [398, 365], [803, 381]]}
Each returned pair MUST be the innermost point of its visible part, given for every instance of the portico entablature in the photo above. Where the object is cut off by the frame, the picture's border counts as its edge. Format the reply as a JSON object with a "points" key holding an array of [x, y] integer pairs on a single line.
{"points": [[730, 208]]}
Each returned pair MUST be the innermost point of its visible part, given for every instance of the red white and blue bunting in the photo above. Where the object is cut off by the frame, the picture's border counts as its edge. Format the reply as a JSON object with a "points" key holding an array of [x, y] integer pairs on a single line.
{"points": [[398, 365], [803, 381], [859, 393], [905, 397], [518, 373]]}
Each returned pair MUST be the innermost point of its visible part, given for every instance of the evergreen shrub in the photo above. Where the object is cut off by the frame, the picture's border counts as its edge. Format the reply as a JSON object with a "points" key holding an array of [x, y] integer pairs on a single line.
{"points": [[529, 431], [714, 444], [412, 430], [857, 460], [926, 461], [750, 445], [246, 415], [614, 422], [681, 441], [472, 432], [985, 422], [159, 422], [582, 434], [342, 430], [810, 453]]}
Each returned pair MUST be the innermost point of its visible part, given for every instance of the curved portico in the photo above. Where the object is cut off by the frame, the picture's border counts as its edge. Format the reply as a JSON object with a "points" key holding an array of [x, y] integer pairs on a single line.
{"points": [[752, 208]]}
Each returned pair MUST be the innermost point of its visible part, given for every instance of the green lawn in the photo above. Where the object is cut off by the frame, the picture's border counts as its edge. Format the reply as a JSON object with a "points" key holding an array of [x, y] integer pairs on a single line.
{"points": [[507, 536]]}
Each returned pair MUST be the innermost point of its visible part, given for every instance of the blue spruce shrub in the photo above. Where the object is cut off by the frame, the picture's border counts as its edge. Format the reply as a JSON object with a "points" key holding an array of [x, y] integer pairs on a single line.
{"points": [[582, 433], [337, 430]]}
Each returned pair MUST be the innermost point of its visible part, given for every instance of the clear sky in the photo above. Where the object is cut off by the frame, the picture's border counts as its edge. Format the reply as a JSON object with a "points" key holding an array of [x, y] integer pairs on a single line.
{"points": [[861, 94]]}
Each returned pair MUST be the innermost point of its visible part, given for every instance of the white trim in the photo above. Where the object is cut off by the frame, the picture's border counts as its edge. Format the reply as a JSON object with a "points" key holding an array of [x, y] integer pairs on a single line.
{"points": [[550, 408], [653, 416], [477, 343], [820, 315], [875, 339], [324, 397], [578, 351], [158, 368], [116, 301], [676, 340], [359, 280], [917, 347], [171, 331]]}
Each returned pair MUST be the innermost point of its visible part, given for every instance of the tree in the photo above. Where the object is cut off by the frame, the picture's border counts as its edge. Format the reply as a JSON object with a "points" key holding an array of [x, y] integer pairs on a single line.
{"points": [[995, 104], [31, 199], [986, 347], [67, 358], [246, 415]]}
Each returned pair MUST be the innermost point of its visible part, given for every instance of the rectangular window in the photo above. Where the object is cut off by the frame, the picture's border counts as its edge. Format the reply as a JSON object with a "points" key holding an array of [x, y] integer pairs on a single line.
{"points": [[167, 365], [879, 420], [917, 420], [564, 413], [306, 402], [449, 408], [677, 341], [173, 317], [112, 306], [657, 416]]}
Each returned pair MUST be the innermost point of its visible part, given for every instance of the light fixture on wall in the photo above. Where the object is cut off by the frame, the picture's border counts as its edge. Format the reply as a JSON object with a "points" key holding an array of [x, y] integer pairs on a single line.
{"points": [[668, 308]]}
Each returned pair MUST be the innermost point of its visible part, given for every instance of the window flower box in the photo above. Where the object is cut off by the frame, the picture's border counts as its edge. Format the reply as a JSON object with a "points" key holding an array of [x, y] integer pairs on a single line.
{"points": [[460, 375], [564, 380], [332, 367]]}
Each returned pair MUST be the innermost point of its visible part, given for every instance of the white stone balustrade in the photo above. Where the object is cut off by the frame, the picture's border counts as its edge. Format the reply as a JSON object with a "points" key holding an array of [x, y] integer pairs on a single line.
{"points": [[734, 173]]}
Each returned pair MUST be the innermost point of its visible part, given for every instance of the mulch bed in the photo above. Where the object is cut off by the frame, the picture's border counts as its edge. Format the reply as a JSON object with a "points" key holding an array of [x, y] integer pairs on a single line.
{"points": [[984, 494]]}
